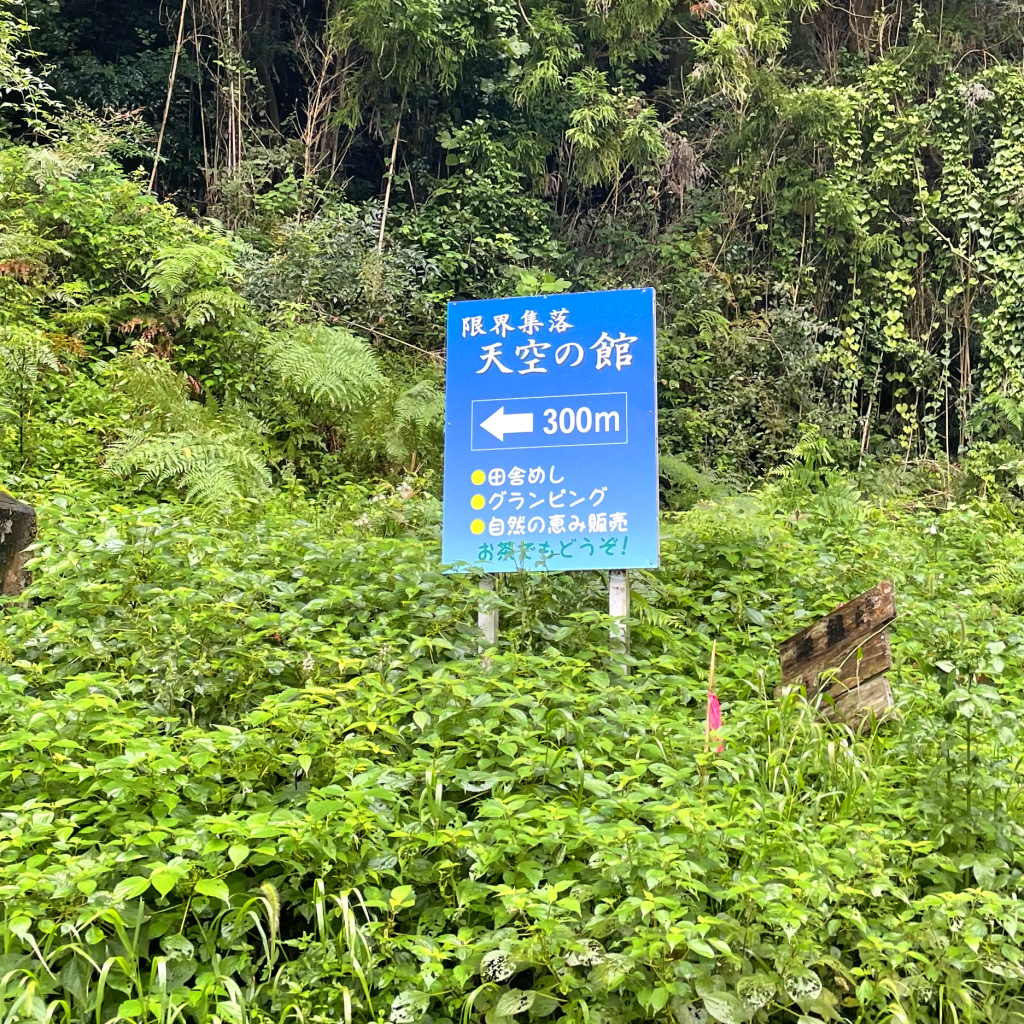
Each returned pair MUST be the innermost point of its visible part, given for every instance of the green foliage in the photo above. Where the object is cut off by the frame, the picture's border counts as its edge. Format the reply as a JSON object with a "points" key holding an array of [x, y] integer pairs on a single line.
{"points": [[410, 41], [478, 226], [827, 195], [92, 267], [330, 368], [403, 427], [734, 395], [255, 767], [194, 280], [25, 356], [212, 462], [262, 774], [610, 132], [330, 264], [215, 455], [24, 96], [871, 211], [825, 199], [529, 282]]}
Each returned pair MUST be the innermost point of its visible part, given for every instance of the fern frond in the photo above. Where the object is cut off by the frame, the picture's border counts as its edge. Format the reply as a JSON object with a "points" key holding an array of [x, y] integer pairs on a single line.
{"points": [[152, 386], [416, 422], [419, 406], [46, 165], [180, 269], [328, 366], [23, 245], [205, 305], [214, 455], [95, 316], [25, 355], [650, 615], [24, 255], [214, 466]]}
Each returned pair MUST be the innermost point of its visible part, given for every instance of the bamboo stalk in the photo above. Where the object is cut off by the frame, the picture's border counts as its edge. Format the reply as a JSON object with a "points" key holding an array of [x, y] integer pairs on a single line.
{"points": [[391, 176], [172, 79]]}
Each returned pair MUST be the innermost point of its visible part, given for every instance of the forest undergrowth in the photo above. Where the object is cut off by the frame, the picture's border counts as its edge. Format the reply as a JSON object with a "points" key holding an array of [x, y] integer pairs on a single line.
{"points": [[256, 769]]}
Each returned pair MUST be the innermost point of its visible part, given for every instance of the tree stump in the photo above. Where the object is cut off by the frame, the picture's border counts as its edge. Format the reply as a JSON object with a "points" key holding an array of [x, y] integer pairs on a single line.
{"points": [[17, 532]]}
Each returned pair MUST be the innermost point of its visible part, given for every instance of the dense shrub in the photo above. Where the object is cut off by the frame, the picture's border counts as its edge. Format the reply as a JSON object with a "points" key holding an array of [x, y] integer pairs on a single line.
{"points": [[259, 772]]}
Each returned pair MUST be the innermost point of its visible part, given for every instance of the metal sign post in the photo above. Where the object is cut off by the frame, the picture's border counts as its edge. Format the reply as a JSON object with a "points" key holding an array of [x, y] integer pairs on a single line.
{"points": [[487, 616], [618, 609], [551, 460]]}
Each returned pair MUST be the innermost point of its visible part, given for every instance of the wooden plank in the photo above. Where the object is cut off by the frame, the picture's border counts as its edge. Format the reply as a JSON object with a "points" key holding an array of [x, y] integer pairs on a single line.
{"points": [[829, 642], [845, 667], [840, 661], [856, 708]]}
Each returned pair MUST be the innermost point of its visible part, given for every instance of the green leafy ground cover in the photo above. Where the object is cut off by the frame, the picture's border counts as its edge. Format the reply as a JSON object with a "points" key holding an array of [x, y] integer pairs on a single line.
{"points": [[253, 769]]}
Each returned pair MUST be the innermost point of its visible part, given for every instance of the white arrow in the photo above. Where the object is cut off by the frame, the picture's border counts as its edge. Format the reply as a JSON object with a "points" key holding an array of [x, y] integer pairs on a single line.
{"points": [[500, 423]]}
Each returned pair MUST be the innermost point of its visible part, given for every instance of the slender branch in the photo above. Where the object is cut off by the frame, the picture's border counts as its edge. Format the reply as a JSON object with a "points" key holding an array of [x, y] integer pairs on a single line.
{"points": [[170, 92], [391, 175]]}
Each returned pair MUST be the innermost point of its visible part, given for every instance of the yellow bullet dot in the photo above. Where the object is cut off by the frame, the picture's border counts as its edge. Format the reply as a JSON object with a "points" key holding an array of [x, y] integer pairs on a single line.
{"points": [[477, 526], [478, 501], [478, 476]]}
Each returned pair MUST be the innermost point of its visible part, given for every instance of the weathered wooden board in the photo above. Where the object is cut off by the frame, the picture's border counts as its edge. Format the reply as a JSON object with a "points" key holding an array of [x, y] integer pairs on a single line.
{"points": [[844, 667], [857, 707], [840, 660], [17, 532]]}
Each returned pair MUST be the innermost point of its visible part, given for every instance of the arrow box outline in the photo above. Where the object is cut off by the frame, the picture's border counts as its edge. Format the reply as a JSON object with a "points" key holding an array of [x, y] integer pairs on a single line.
{"points": [[557, 444]]}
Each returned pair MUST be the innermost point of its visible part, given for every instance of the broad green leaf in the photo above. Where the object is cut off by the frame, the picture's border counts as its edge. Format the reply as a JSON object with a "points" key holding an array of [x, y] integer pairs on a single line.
{"points": [[659, 998], [237, 854], [543, 1004], [215, 888], [514, 1001], [725, 1007], [164, 879], [130, 888], [402, 896]]}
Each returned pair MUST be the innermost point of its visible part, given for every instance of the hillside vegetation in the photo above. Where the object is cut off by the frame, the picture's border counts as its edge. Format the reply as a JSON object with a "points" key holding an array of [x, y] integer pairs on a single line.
{"points": [[256, 770], [254, 767]]}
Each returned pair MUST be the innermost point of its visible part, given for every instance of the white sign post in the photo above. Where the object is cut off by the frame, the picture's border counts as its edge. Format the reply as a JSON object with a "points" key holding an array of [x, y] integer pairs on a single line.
{"points": [[618, 609], [487, 615]]}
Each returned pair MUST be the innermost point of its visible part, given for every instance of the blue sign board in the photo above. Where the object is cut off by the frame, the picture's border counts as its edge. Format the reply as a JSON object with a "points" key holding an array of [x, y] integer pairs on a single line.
{"points": [[551, 454]]}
